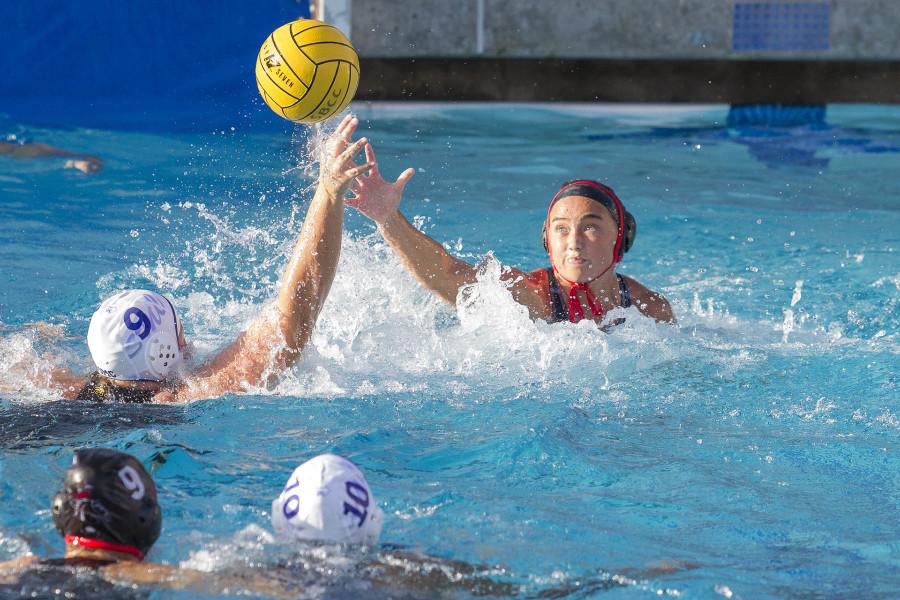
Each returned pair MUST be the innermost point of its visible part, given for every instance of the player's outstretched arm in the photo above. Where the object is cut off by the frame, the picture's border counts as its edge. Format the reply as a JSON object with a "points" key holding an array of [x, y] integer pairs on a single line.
{"points": [[427, 260], [274, 341]]}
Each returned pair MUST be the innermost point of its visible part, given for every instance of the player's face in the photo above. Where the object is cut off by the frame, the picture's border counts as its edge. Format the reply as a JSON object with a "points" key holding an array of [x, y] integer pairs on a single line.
{"points": [[581, 235]]}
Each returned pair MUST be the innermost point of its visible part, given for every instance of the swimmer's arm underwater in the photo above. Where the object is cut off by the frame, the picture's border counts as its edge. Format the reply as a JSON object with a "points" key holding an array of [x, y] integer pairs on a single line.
{"points": [[303, 288], [10, 570], [83, 162], [169, 577], [432, 577]]}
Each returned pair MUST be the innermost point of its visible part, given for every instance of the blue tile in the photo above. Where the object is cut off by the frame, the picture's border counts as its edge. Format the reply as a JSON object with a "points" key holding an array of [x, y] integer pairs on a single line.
{"points": [[781, 26]]}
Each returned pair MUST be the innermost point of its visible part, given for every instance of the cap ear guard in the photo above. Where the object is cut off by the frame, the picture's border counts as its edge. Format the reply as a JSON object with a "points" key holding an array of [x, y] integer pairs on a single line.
{"points": [[628, 233]]}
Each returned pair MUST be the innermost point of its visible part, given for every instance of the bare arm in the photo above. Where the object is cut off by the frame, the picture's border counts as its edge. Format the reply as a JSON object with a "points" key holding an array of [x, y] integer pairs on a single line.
{"points": [[10, 570], [83, 162], [169, 577], [40, 371], [427, 260], [32, 150], [303, 288], [63, 380]]}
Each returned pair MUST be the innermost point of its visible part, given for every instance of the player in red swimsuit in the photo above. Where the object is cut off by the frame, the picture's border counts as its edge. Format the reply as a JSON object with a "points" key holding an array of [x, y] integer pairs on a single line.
{"points": [[586, 233]]}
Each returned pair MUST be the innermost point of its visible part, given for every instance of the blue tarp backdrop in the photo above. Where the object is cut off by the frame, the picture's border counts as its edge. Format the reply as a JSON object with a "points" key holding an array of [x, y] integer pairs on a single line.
{"points": [[85, 57]]}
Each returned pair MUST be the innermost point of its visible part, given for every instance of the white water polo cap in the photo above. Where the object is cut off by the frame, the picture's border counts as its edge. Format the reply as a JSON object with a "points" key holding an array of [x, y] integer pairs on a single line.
{"points": [[133, 336], [328, 499]]}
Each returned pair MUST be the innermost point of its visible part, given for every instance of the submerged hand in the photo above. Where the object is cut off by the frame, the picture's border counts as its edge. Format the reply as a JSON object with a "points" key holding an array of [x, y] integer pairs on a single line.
{"points": [[375, 197], [85, 164], [337, 167]]}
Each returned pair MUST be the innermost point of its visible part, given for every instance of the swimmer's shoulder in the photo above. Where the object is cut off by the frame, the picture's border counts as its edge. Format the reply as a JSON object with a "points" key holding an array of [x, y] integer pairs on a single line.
{"points": [[651, 303], [532, 290], [230, 581], [50, 570], [11, 569], [141, 573]]}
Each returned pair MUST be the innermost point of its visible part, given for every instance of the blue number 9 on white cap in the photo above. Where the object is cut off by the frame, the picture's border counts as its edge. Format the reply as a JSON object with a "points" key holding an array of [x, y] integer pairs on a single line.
{"points": [[328, 499]]}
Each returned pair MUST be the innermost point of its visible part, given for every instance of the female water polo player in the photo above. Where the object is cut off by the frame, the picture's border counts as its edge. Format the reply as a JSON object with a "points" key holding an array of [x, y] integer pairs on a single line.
{"points": [[137, 341], [586, 233], [109, 516], [327, 499]]}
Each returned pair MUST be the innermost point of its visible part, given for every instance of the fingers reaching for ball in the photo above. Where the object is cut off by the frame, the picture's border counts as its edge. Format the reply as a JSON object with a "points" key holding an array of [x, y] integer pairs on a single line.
{"points": [[340, 137], [338, 168], [346, 128]]}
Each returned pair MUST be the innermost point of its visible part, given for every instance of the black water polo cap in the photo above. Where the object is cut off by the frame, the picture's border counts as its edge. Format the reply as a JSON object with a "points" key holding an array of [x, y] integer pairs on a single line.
{"points": [[108, 502]]}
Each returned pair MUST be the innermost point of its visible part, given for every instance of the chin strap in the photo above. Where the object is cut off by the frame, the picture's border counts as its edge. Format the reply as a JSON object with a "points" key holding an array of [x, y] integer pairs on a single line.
{"points": [[576, 312], [76, 540]]}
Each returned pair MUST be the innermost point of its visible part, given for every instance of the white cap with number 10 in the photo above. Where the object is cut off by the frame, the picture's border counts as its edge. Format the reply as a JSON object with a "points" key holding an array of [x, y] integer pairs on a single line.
{"points": [[328, 499]]}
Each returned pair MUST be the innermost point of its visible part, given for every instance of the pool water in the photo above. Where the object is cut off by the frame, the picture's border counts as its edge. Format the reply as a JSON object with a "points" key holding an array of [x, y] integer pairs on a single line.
{"points": [[756, 440]]}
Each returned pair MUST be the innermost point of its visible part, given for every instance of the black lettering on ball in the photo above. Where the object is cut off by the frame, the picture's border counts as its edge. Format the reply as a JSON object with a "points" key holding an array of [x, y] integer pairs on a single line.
{"points": [[272, 60]]}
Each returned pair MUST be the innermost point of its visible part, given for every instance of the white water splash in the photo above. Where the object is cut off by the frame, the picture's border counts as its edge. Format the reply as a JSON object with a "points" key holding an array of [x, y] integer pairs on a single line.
{"points": [[381, 332], [788, 325], [26, 361], [12, 546], [247, 544], [798, 292]]}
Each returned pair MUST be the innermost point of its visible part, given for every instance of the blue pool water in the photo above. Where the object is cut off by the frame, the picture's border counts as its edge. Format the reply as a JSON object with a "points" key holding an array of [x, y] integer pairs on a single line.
{"points": [[757, 439]]}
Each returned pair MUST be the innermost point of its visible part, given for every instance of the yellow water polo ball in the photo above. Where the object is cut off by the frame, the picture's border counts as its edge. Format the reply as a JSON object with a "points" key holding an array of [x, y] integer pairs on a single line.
{"points": [[307, 71]]}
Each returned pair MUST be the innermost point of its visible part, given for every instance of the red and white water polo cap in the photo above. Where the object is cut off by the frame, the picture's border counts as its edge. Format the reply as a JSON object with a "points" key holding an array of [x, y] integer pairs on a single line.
{"points": [[133, 336], [328, 499]]}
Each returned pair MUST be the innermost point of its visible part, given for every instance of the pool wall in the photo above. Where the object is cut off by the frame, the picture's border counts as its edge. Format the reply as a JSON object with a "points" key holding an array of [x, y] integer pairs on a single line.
{"points": [[105, 62], [625, 50]]}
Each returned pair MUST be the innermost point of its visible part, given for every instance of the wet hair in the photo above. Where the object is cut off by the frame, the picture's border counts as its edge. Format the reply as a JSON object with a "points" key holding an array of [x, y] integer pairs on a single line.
{"points": [[108, 501], [99, 388], [604, 195]]}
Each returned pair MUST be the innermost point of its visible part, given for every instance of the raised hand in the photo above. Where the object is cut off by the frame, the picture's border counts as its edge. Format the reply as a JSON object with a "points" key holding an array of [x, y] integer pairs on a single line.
{"points": [[337, 166], [375, 197]]}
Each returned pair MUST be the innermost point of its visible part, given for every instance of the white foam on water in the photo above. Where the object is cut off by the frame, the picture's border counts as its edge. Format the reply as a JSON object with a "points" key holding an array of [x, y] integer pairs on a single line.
{"points": [[27, 359], [247, 545], [893, 279], [12, 546], [379, 326], [381, 332]]}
